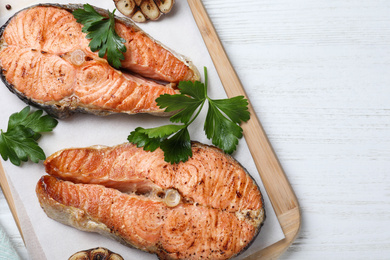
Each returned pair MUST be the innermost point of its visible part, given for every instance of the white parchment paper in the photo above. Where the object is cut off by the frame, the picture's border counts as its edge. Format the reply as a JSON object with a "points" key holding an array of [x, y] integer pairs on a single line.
{"points": [[48, 238]]}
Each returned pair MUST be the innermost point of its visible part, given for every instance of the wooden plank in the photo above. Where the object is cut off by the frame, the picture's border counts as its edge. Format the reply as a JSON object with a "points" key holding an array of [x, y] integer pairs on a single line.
{"points": [[275, 181], [8, 196]]}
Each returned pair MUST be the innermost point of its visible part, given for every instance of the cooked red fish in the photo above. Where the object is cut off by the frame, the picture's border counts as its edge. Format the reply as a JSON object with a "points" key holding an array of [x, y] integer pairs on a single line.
{"points": [[208, 207], [46, 61]]}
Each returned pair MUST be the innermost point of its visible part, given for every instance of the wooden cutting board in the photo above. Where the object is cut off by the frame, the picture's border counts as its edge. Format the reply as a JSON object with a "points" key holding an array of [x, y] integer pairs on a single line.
{"points": [[273, 177]]}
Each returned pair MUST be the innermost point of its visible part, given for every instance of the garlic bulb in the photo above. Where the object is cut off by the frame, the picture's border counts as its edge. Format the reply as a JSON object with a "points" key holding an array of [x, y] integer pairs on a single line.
{"points": [[142, 10]]}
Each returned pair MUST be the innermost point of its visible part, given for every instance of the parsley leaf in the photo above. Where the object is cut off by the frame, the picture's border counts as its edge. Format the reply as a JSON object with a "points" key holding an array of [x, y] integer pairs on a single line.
{"points": [[222, 123], [35, 121], [101, 31], [184, 104], [178, 147], [223, 132], [151, 138], [234, 108], [20, 141], [142, 139], [87, 16]]}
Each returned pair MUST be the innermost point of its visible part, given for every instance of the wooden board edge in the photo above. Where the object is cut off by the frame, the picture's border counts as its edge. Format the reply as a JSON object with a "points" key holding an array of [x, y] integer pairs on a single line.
{"points": [[291, 224], [279, 190], [9, 198]]}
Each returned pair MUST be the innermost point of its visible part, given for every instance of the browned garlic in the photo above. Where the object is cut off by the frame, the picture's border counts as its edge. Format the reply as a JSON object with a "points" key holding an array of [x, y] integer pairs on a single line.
{"points": [[142, 10], [100, 253]]}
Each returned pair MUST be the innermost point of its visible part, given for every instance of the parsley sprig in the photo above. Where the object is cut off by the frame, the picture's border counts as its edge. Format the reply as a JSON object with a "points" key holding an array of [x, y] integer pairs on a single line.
{"points": [[222, 123], [20, 141], [101, 31]]}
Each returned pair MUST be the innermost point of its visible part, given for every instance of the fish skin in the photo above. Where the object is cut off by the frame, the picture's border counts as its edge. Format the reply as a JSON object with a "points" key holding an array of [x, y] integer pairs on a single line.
{"points": [[37, 67], [199, 226]]}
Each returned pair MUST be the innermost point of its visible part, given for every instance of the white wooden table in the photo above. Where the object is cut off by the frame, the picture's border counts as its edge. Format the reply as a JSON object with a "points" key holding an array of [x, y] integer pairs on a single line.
{"points": [[318, 76]]}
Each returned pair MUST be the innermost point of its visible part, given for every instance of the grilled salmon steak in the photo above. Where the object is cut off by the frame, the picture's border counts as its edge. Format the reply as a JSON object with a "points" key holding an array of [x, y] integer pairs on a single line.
{"points": [[46, 61], [206, 208]]}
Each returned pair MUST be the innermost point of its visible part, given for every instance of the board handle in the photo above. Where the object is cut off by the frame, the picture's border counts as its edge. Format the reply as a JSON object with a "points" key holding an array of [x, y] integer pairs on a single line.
{"points": [[274, 179]]}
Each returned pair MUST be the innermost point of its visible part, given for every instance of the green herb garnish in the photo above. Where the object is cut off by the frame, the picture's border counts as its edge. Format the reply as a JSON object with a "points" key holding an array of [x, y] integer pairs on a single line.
{"points": [[222, 124], [20, 141], [101, 31]]}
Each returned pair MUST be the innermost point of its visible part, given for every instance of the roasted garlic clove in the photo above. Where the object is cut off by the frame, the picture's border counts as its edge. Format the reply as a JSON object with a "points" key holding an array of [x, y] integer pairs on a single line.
{"points": [[100, 253], [126, 7], [142, 10], [139, 17], [165, 6], [150, 9]]}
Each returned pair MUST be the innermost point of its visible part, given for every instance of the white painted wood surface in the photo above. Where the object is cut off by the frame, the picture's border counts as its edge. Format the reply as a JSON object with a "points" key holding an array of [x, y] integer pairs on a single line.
{"points": [[318, 75]]}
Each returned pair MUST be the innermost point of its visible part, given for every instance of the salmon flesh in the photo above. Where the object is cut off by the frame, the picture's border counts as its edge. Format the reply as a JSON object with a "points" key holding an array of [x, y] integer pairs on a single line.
{"points": [[206, 208], [46, 61]]}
